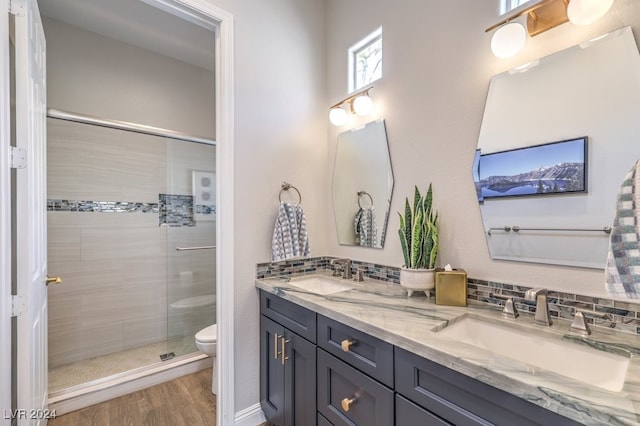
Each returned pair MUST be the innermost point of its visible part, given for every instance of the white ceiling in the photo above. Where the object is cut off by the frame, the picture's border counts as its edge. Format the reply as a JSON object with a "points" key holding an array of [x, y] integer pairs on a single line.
{"points": [[138, 24]]}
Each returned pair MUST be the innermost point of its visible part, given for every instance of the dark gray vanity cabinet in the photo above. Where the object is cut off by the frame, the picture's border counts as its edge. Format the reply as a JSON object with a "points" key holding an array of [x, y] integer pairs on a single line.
{"points": [[461, 400], [287, 362], [355, 376], [348, 397]]}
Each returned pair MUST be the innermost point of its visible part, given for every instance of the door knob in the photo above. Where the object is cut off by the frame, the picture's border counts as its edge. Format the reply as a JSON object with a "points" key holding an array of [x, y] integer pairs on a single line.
{"points": [[56, 280]]}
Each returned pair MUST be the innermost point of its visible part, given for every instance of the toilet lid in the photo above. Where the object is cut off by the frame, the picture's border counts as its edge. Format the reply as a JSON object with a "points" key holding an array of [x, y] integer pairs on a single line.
{"points": [[208, 335]]}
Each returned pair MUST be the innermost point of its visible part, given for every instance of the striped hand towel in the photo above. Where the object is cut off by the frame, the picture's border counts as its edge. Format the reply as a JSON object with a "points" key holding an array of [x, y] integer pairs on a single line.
{"points": [[622, 271], [290, 237]]}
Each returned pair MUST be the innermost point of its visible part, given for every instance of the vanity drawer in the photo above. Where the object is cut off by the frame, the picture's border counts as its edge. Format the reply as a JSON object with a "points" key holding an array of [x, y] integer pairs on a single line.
{"points": [[300, 320], [463, 400], [410, 414], [368, 354], [371, 403]]}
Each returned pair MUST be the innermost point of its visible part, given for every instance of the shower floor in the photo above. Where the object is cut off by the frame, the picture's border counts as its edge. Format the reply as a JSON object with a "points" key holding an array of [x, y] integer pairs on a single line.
{"points": [[88, 370]]}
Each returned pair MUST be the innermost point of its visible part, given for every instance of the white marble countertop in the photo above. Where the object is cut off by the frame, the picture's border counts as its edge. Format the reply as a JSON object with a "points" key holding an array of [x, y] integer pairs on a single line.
{"points": [[384, 310]]}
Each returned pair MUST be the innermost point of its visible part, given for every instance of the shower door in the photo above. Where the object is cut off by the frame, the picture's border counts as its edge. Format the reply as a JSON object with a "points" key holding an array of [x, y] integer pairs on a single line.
{"points": [[188, 212]]}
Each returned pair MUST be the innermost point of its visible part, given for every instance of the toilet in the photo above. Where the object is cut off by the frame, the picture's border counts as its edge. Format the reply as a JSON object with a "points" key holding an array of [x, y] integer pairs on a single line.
{"points": [[206, 340]]}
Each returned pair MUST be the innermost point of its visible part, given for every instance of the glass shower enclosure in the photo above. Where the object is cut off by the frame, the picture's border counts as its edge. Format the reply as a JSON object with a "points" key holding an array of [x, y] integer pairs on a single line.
{"points": [[131, 227]]}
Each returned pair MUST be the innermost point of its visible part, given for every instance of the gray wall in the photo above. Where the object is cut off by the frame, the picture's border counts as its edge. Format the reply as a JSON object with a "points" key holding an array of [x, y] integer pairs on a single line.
{"points": [[95, 75]]}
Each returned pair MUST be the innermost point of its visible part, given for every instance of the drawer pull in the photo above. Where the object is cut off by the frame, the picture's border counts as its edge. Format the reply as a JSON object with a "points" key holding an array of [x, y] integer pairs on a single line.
{"points": [[347, 402], [276, 353], [283, 351], [346, 344]]}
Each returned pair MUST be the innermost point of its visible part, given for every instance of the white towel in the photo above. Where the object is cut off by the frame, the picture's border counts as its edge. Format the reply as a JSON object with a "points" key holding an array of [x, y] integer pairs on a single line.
{"points": [[365, 227], [622, 272], [290, 237]]}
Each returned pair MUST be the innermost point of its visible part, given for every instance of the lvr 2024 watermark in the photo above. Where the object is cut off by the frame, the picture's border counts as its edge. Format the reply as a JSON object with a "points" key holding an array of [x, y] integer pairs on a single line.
{"points": [[34, 414]]}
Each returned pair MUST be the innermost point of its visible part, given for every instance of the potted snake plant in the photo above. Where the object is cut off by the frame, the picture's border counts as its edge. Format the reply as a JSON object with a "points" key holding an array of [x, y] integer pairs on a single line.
{"points": [[418, 234]]}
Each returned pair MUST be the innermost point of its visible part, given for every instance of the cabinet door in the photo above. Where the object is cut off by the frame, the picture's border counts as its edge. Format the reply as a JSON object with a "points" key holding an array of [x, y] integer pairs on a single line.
{"points": [[272, 385], [348, 397], [300, 380]]}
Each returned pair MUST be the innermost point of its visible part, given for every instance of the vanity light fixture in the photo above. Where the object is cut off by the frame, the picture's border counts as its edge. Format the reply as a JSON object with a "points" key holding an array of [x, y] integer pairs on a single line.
{"points": [[543, 15], [359, 103], [585, 12]]}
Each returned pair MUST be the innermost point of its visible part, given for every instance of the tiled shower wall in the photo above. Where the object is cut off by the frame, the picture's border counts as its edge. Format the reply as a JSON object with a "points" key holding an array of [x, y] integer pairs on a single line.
{"points": [[113, 258]]}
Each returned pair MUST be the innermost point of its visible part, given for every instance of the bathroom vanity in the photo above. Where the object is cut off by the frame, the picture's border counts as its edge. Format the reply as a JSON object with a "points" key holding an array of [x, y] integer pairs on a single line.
{"points": [[365, 354]]}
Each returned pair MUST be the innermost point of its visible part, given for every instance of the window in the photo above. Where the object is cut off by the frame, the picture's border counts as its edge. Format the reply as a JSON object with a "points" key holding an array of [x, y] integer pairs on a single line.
{"points": [[509, 5], [365, 61]]}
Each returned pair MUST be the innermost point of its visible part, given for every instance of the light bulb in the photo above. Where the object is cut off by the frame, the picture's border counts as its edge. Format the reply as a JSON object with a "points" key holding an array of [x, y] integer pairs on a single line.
{"points": [[584, 12], [363, 105], [508, 40], [337, 116]]}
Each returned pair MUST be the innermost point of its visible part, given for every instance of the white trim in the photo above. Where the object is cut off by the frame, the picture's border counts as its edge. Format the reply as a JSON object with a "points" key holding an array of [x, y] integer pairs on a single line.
{"points": [[250, 416], [224, 74], [126, 384], [5, 219]]}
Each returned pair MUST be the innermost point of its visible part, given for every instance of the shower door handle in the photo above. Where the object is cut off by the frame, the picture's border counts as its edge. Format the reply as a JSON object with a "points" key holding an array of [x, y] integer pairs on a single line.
{"points": [[195, 248]]}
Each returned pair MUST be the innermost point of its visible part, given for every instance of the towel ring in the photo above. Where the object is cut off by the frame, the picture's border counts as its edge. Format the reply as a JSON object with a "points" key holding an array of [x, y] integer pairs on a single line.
{"points": [[360, 194], [287, 186]]}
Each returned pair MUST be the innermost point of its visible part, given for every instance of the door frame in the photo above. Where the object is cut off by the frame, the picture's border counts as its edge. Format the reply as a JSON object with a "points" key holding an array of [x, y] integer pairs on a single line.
{"points": [[5, 219], [224, 93], [224, 100]]}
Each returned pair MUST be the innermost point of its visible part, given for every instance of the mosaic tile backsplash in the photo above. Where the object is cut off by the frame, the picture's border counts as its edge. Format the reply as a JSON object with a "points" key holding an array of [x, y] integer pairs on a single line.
{"points": [[607, 313]]}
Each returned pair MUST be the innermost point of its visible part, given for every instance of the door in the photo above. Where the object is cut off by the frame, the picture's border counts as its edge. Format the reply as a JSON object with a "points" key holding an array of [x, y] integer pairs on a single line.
{"points": [[300, 380], [31, 237], [272, 385]]}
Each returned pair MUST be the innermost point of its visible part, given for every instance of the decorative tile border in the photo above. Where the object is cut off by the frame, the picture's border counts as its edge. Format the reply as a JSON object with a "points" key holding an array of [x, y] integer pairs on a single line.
{"points": [[618, 315], [100, 206]]}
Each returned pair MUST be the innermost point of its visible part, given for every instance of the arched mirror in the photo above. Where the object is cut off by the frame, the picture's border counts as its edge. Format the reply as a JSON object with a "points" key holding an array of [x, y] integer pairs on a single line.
{"points": [[362, 186], [585, 97]]}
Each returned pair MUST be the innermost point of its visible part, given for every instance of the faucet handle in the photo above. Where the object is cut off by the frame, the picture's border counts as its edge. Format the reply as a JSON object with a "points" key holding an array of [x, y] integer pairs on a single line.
{"points": [[509, 311], [580, 325], [359, 275]]}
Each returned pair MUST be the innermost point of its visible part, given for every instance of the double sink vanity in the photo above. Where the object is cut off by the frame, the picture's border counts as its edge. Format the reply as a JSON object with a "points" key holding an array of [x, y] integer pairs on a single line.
{"points": [[337, 351]]}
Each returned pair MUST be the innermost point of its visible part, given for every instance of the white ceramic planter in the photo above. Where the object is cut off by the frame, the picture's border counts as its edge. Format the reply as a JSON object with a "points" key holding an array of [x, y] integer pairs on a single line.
{"points": [[418, 280]]}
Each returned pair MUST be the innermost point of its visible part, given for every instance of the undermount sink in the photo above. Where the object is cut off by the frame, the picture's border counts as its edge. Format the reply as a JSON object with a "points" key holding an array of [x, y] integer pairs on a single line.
{"points": [[579, 362], [321, 284]]}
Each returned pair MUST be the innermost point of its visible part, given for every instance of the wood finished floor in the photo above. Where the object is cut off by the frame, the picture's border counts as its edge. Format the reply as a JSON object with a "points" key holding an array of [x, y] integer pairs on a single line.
{"points": [[185, 401]]}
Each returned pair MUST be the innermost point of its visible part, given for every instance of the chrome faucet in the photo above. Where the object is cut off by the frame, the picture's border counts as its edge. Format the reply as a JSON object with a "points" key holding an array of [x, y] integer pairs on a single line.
{"points": [[539, 295], [346, 271]]}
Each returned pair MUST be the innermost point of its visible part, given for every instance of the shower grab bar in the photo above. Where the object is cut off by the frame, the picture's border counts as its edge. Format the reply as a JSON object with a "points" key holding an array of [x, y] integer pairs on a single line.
{"points": [[195, 248]]}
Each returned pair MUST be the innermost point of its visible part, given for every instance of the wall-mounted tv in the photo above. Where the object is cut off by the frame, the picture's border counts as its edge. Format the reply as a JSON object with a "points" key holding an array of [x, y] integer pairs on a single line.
{"points": [[551, 168]]}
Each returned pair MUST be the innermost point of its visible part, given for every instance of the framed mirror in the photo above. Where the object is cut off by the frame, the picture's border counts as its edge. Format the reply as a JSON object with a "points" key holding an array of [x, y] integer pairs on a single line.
{"points": [[589, 94], [362, 186]]}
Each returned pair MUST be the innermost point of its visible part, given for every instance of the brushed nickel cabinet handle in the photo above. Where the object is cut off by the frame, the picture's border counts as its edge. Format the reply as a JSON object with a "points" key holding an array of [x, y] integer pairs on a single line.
{"points": [[347, 403], [276, 353], [346, 344], [283, 351], [56, 280]]}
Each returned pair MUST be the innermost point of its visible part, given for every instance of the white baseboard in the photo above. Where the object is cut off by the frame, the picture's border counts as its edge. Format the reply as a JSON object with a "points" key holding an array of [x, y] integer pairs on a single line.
{"points": [[123, 385], [250, 416]]}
